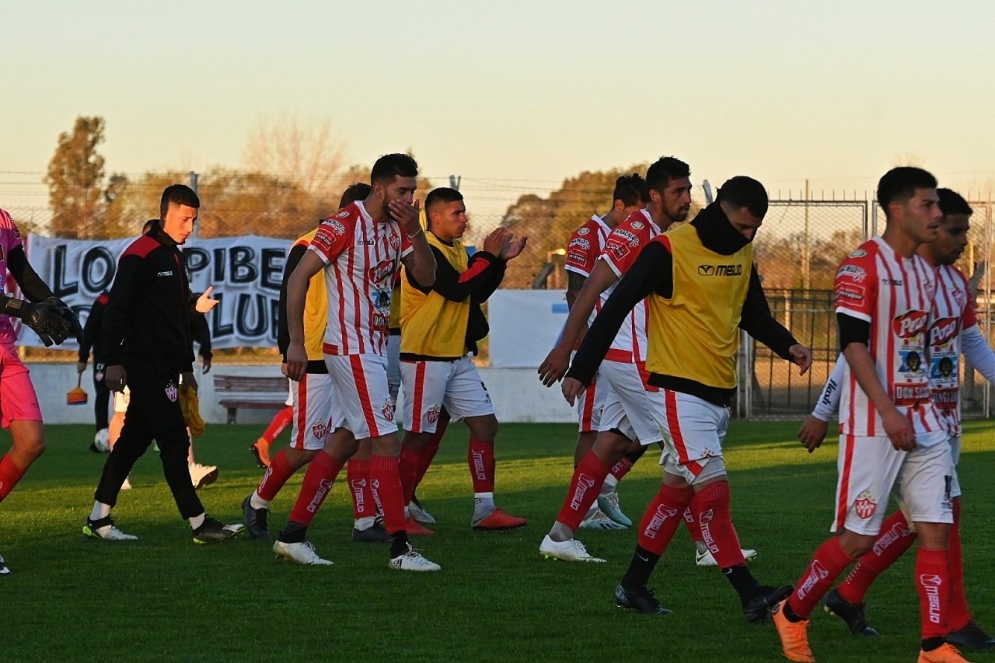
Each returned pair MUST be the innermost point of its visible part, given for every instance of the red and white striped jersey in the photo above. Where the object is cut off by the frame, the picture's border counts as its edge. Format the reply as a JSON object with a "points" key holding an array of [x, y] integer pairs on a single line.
{"points": [[585, 245], [953, 312], [361, 257], [10, 239], [621, 250], [893, 294]]}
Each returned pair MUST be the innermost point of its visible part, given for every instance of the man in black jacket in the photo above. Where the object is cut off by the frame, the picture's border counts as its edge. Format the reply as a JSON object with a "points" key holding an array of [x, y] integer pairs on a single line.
{"points": [[92, 340], [147, 348]]}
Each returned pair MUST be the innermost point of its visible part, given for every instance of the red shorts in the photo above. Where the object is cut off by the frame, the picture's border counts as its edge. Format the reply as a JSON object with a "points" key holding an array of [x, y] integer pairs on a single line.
{"points": [[18, 401]]}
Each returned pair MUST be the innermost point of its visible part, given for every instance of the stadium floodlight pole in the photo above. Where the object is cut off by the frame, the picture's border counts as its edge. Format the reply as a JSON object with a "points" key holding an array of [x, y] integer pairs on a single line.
{"points": [[195, 233], [707, 188], [454, 181]]}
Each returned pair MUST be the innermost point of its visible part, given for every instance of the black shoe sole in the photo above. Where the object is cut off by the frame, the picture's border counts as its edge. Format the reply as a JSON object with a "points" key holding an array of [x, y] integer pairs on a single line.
{"points": [[255, 454], [760, 613]]}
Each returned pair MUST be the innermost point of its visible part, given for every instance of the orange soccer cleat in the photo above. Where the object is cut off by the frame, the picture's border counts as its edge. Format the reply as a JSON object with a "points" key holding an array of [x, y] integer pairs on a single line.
{"points": [[946, 653], [260, 449], [794, 636], [498, 519]]}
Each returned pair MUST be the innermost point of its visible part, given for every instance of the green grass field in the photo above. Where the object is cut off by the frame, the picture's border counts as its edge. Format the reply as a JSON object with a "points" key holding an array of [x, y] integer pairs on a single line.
{"points": [[164, 598]]}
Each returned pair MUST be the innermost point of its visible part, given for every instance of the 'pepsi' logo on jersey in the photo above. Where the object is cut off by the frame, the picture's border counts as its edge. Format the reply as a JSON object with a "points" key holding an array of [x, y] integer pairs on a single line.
{"points": [[942, 331], [910, 324], [382, 272]]}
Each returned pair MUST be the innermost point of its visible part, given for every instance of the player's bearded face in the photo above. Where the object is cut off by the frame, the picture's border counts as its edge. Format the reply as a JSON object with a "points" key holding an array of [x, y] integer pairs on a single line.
{"points": [[677, 199], [921, 215], [403, 189]]}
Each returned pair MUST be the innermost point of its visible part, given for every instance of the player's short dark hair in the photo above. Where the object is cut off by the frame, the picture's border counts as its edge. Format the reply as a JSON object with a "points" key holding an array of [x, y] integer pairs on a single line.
{"points": [[900, 184], [441, 196], [391, 166], [631, 190], [952, 202], [743, 191], [659, 174], [178, 194], [354, 192]]}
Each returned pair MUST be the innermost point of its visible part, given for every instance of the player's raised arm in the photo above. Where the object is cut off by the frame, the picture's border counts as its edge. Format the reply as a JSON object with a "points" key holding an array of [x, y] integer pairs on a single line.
{"points": [[419, 261]]}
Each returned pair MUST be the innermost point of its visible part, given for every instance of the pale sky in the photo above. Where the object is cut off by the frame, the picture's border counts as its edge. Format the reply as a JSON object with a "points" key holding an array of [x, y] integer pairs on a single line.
{"points": [[512, 95]]}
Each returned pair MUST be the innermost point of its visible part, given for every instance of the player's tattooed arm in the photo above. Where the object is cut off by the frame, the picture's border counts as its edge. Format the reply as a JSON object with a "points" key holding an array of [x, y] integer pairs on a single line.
{"points": [[575, 282]]}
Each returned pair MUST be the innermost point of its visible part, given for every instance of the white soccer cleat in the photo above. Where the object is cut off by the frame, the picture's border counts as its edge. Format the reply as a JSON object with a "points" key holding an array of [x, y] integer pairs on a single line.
{"points": [[301, 553], [413, 561], [608, 503], [568, 551], [106, 529], [203, 475], [600, 520], [420, 515], [706, 558]]}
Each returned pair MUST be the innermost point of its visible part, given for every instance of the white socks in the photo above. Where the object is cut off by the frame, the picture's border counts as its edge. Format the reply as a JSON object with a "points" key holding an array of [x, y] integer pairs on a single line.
{"points": [[197, 521], [100, 510]]}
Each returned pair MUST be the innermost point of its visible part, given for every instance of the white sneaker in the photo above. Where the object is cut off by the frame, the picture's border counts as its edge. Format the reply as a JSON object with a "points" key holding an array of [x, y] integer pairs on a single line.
{"points": [[203, 475], [302, 553], [106, 529], [706, 558], [413, 561], [420, 515], [126, 485], [608, 503], [600, 520], [569, 551]]}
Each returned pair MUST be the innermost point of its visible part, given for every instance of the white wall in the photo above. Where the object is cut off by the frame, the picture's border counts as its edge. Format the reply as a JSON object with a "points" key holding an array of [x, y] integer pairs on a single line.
{"points": [[517, 394]]}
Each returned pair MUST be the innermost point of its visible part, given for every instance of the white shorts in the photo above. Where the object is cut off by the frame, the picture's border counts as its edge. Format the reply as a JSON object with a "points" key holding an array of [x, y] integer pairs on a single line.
{"points": [[290, 392], [312, 401], [121, 400], [871, 470], [590, 405], [631, 405], [394, 365], [955, 458], [431, 385], [693, 431], [362, 403]]}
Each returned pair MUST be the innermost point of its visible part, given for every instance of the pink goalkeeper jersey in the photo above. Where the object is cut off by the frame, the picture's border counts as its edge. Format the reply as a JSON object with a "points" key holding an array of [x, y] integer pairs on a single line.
{"points": [[621, 250], [361, 257], [9, 239], [895, 295], [953, 312]]}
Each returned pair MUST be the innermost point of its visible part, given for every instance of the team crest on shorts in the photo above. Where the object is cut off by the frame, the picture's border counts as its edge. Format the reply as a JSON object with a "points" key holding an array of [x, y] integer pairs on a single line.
{"points": [[388, 410], [865, 506], [432, 416], [171, 391], [319, 430]]}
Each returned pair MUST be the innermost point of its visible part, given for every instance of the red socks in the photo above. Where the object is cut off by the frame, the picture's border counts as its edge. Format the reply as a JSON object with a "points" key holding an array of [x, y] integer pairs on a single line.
{"points": [[277, 474], [663, 517], [711, 510], [10, 474], [827, 564], [358, 476], [896, 537], [283, 418], [318, 482], [584, 488], [387, 491], [933, 583], [692, 524], [410, 464], [622, 468], [480, 457], [960, 614]]}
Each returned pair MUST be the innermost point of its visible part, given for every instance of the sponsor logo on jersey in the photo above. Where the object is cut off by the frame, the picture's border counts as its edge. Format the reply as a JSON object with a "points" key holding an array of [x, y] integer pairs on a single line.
{"points": [[583, 231], [631, 238], [167, 272], [942, 332], [859, 253], [335, 226], [618, 251], [852, 272], [853, 292], [931, 584], [172, 393], [897, 282], [816, 573], [864, 505], [638, 225], [910, 324], [579, 243], [584, 483], [382, 273], [720, 270]]}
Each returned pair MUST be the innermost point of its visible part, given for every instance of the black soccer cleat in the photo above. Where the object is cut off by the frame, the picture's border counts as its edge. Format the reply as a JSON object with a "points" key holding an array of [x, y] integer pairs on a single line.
{"points": [[376, 533], [215, 531], [255, 520], [851, 613], [757, 609], [641, 600], [971, 636]]}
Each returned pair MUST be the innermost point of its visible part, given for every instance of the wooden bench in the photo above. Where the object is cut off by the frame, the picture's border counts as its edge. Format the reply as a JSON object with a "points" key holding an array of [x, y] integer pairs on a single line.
{"points": [[250, 391]]}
